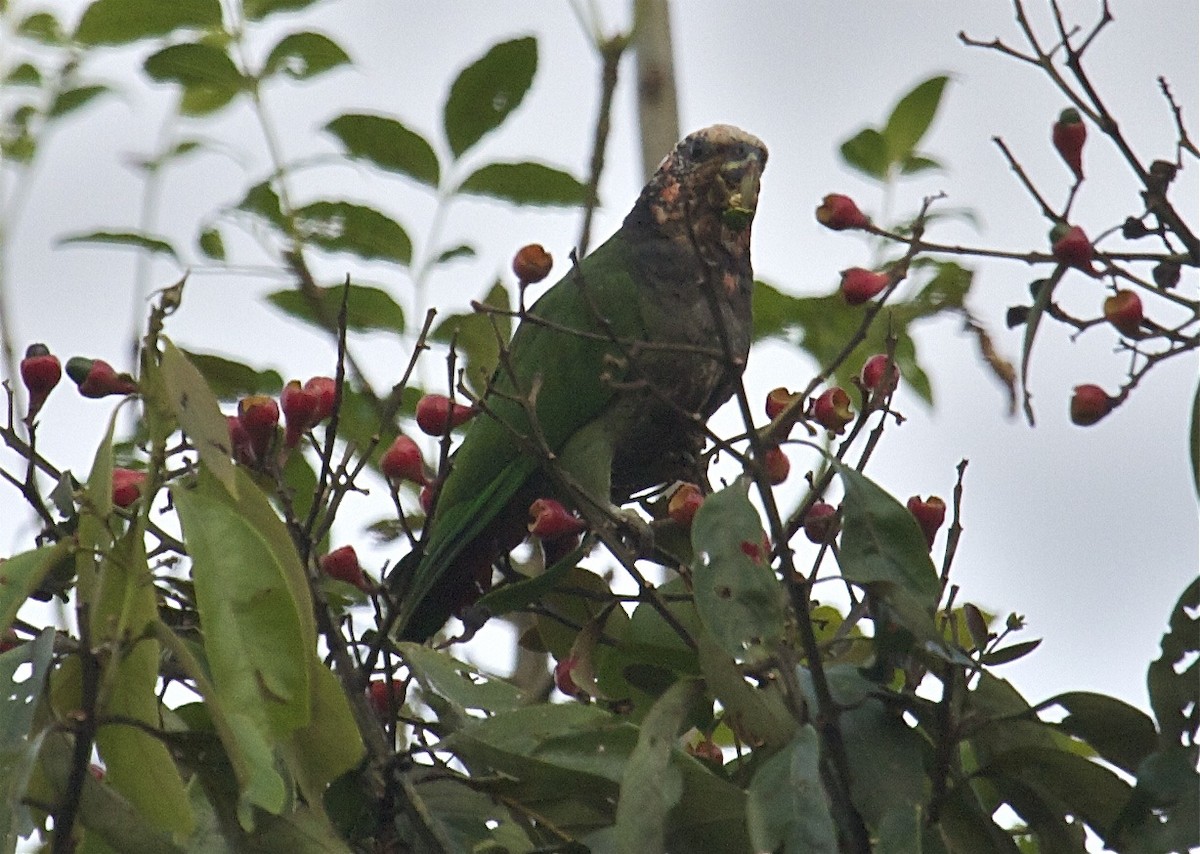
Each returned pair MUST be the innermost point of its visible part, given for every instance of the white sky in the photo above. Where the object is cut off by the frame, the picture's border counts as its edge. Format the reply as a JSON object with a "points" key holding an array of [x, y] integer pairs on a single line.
{"points": [[1091, 533]]}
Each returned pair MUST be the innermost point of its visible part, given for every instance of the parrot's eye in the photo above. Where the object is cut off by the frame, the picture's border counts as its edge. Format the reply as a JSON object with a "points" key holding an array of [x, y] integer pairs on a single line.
{"points": [[697, 149]]}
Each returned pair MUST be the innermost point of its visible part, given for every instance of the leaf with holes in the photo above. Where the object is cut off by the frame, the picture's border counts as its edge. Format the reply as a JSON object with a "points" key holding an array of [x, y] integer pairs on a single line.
{"points": [[738, 597]]}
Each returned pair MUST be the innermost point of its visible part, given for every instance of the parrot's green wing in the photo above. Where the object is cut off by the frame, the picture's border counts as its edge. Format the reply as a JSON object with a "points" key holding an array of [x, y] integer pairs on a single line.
{"points": [[564, 358]]}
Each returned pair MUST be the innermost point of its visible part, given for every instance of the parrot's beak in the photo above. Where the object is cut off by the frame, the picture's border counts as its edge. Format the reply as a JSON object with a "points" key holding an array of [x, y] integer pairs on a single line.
{"points": [[740, 181]]}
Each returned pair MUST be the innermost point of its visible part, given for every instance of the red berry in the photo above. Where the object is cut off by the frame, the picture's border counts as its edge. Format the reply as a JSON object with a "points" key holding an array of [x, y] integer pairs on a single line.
{"points": [[385, 697], [778, 399], [706, 750], [325, 390], [97, 378], [1068, 137], [549, 520], [259, 415], [402, 461], [776, 464], [299, 412], [436, 413], [562, 677], [839, 213], [40, 372], [832, 410], [821, 523], [1070, 246], [1124, 311], [1089, 404], [930, 514], [9, 640], [342, 564], [239, 442], [126, 486], [532, 263], [880, 374], [859, 284], [684, 503]]}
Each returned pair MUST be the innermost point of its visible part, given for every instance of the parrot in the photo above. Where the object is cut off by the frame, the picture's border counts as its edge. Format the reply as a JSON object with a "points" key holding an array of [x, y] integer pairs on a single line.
{"points": [[610, 375]]}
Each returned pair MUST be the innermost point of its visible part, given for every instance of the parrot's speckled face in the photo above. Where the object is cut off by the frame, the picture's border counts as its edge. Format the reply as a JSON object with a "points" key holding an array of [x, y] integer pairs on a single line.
{"points": [[712, 171]]}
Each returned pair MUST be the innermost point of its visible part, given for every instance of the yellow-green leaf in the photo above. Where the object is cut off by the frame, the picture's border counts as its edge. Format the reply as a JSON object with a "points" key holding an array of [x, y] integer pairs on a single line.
{"points": [[199, 414], [139, 766]]}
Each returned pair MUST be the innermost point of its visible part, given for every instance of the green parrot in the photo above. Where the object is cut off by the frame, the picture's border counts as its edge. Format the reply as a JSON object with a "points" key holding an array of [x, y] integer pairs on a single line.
{"points": [[620, 363]]}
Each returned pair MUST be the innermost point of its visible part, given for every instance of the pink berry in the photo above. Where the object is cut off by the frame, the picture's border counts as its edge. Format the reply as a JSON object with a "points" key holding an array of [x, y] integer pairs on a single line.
{"points": [[930, 514], [402, 461], [1089, 404], [832, 410], [839, 213], [859, 284], [550, 520]]}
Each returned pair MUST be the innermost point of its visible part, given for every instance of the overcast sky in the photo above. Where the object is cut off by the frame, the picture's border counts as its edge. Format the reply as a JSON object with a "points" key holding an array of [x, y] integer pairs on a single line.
{"points": [[1090, 533]]}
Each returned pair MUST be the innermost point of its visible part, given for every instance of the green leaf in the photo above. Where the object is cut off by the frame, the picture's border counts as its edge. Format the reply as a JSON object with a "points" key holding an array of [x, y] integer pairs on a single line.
{"points": [[518, 594], [1085, 788], [887, 774], [487, 91], [1041, 302], [463, 685], [1172, 678], [472, 820], [882, 544], [24, 74], [109, 818], [475, 336], [19, 744], [19, 700], [70, 100], [553, 750], [1009, 653], [42, 27], [230, 380], [786, 809], [211, 244], [822, 325], [867, 151], [360, 230], [461, 251], [1121, 734], [911, 118], [526, 184], [387, 144], [258, 624], [303, 56], [1164, 812], [138, 765], [256, 10], [262, 201], [368, 308], [195, 406], [916, 163], [124, 21], [652, 784], [208, 75], [762, 715], [738, 598], [146, 242], [23, 573], [330, 744]]}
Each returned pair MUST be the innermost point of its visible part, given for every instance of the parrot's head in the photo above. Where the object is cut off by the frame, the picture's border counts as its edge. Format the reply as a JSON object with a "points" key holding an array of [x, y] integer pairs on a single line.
{"points": [[708, 184]]}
